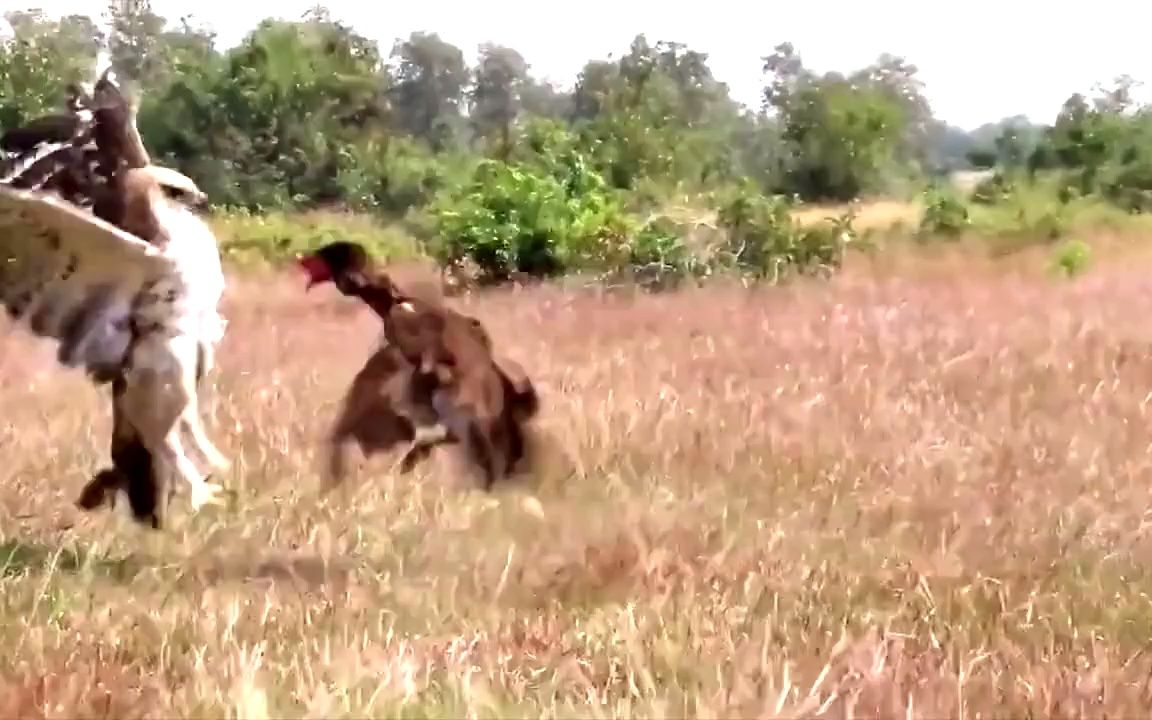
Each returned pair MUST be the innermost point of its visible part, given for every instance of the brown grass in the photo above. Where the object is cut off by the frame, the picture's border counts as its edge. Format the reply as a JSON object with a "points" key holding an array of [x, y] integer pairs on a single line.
{"points": [[919, 492], [870, 215]]}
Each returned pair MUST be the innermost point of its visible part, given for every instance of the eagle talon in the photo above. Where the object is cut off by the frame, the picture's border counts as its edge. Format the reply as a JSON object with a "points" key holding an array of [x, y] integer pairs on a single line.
{"points": [[101, 251], [101, 490], [219, 463], [205, 493]]}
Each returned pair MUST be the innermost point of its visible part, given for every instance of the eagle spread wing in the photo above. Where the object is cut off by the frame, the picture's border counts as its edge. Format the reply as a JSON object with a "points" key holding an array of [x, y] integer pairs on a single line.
{"points": [[121, 286], [66, 274]]}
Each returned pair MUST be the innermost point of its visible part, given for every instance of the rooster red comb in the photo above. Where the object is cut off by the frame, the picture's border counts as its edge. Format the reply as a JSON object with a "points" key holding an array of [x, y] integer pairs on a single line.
{"points": [[333, 260]]}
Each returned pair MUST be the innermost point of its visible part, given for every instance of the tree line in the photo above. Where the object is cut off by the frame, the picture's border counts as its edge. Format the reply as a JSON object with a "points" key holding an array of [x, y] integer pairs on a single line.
{"points": [[312, 113]]}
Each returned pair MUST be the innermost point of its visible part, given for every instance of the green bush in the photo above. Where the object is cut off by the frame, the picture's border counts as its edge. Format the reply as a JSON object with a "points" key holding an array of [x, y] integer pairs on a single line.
{"points": [[765, 240], [1048, 225], [944, 215], [547, 211], [513, 218], [1129, 186], [1072, 258], [995, 189], [247, 238], [396, 176], [1034, 214]]}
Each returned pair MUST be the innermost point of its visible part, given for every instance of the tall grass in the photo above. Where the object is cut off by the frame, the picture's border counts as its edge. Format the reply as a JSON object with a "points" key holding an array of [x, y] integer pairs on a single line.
{"points": [[918, 492]]}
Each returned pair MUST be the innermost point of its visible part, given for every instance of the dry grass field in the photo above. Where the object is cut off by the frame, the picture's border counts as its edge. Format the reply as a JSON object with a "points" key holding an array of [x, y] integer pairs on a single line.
{"points": [[918, 491], [874, 214]]}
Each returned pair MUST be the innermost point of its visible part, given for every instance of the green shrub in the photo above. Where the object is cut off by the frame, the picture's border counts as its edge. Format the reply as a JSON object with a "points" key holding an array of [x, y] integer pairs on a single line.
{"points": [[514, 218], [396, 176], [548, 211], [1048, 225], [656, 255], [1071, 258], [1129, 186], [944, 215], [995, 189], [1033, 215], [765, 240], [247, 238]]}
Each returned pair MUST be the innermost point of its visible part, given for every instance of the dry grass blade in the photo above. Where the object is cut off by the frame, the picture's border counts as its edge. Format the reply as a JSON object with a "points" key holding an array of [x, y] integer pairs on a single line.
{"points": [[916, 492]]}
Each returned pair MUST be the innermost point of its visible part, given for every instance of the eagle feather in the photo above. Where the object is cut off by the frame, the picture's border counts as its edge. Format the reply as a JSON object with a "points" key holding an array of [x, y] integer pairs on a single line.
{"points": [[68, 275], [128, 289]]}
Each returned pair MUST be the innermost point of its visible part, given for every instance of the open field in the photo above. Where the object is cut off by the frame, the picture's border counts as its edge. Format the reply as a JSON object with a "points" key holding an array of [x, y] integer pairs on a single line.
{"points": [[917, 491], [872, 215]]}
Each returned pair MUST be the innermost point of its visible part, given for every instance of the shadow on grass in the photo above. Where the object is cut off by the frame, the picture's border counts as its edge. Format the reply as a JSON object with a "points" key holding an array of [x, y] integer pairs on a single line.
{"points": [[19, 558], [264, 571]]}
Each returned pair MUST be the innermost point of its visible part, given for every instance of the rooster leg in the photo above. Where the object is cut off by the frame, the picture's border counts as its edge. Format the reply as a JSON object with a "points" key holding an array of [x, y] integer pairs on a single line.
{"points": [[484, 454], [463, 425], [427, 437], [337, 462], [343, 432]]}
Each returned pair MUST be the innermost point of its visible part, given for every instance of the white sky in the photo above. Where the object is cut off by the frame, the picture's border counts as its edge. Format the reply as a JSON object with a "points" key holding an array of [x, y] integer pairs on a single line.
{"points": [[980, 60]]}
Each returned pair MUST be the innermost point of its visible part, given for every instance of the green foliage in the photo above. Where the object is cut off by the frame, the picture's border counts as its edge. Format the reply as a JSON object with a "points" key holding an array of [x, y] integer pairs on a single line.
{"points": [[1101, 148], [995, 189], [1071, 258], [1129, 184], [847, 135], [655, 254], [543, 214], [428, 79], [42, 55], [765, 239], [249, 238], [659, 114], [490, 165], [838, 131], [397, 175], [657, 245], [548, 212], [945, 215], [1026, 216]]}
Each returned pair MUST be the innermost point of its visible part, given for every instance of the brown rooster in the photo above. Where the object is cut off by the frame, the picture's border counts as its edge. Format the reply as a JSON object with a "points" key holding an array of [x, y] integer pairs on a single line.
{"points": [[436, 373]]}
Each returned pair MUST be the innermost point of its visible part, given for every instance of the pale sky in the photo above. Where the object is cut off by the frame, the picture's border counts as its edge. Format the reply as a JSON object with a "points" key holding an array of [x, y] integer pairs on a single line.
{"points": [[980, 60]]}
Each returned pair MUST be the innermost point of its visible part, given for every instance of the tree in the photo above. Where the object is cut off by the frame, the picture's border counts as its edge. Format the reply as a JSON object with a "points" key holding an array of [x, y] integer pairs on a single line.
{"points": [[1100, 144], [39, 59], [275, 120], [543, 99], [134, 40], [844, 135], [500, 79], [429, 82], [657, 113], [593, 85]]}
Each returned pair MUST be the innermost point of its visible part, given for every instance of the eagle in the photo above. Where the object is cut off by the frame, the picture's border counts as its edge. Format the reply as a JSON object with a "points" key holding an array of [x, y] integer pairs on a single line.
{"points": [[102, 251]]}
